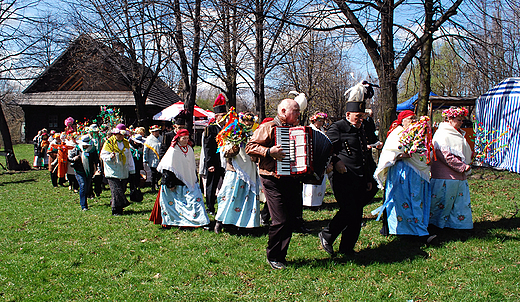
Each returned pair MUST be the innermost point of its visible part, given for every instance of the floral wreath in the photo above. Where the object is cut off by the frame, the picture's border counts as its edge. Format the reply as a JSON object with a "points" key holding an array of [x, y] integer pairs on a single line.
{"points": [[248, 116], [453, 112], [318, 115]]}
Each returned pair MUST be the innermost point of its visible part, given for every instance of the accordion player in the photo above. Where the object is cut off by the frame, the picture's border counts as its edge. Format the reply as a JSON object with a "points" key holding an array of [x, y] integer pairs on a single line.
{"points": [[308, 152]]}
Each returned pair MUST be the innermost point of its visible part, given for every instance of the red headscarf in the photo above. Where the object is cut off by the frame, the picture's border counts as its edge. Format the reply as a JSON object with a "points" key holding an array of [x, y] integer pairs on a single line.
{"points": [[181, 132], [399, 121]]}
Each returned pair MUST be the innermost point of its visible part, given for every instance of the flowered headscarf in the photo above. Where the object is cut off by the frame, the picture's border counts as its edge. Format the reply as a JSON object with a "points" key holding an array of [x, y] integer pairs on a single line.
{"points": [[453, 112], [399, 121], [318, 115]]}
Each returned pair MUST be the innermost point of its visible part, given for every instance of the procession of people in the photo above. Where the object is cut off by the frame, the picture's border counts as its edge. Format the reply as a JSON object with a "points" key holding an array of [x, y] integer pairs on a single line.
{"points": [[239, 170]]}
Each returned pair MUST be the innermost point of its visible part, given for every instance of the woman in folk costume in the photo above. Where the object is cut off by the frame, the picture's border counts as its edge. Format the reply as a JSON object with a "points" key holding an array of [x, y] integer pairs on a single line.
{"points": [[37, 150], [71, 176], [44, 145], [52, 153], [180, 201], [97, 142], [238, 198], [313, 194], [451, 204], [405, 178], [85, 160], [60, 150], [136, 147], [152, 145], [118, 165]]}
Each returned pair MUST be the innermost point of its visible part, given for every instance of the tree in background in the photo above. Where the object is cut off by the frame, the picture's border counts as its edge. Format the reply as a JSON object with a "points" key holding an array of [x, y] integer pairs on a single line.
{"points": [[318, 67], [134, 30], [374, 24], [14, 42]]}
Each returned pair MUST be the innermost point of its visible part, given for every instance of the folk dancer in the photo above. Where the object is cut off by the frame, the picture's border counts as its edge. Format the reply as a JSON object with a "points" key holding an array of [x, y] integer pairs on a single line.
{"points": [[283, 194], [351, 179], [118, 165], [238, 198], [451, 203], [152, 145], [180, 201], [85, 160], [214, 163]]}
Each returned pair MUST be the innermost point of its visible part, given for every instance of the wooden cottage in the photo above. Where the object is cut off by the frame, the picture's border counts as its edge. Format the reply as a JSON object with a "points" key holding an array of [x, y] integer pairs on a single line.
{"points": [[84, 77]]}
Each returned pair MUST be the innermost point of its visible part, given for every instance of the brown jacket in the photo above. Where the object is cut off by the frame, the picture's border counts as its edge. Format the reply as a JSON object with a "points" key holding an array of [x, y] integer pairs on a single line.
{"points": [[262, 140]]}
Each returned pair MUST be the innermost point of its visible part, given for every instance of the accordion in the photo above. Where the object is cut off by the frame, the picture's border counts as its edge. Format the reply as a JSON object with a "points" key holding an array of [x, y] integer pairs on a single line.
{"points": [[307, 153]]}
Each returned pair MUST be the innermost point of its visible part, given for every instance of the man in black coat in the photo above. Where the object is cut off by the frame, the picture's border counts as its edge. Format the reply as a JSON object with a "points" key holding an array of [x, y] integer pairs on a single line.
{"points": [[212, 164], [351, 180]]}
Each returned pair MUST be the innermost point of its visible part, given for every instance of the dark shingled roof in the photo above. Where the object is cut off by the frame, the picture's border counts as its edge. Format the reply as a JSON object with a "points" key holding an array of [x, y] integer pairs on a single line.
{"points": [[84, 75]]}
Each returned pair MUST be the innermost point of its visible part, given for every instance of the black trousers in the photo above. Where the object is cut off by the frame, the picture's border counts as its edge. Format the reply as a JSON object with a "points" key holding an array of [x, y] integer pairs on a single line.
{"points": [[284, 199], [97, 181], [212, 181], [350, 192], [155, 179]]}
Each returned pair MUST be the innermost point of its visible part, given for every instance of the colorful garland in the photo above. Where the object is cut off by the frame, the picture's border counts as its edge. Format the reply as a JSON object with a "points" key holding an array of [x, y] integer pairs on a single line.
{"points": [[234, 132], [417, 138], [485, 140]]}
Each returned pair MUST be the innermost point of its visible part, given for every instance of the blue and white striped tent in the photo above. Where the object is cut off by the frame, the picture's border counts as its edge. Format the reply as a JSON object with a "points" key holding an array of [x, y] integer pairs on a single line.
{"points": [[498, 109]]}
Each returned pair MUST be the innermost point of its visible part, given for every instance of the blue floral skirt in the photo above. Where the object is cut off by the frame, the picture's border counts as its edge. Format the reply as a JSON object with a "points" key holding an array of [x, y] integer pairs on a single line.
{"points": [[451, 204], [182, 207], [407, 201], [237, 203]]}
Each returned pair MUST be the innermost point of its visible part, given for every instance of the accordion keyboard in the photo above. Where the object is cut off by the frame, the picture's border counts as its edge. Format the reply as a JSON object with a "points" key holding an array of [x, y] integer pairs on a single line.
{"points": [[283, 167]]}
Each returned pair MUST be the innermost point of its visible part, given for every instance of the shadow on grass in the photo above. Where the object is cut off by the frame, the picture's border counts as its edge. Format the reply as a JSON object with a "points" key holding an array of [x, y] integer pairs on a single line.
{"points": [[17, 181], [134, 212], [481, 230], [406, 248], [398, 250]]}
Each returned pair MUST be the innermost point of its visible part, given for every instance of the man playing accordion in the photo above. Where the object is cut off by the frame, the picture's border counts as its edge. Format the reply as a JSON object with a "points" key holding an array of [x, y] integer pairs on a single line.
{"points": [[283, 193]]}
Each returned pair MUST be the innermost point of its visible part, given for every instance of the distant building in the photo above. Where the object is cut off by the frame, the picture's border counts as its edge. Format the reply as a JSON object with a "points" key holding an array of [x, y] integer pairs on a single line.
{"points": [[83, 78]]}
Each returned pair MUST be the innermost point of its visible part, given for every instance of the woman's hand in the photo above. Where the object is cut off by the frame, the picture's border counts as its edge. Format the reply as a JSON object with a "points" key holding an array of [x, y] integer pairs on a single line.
{"points": [[330, 167], [403, 155]]}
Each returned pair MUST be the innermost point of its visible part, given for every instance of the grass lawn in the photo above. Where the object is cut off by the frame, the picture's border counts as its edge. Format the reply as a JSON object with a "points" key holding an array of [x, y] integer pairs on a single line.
{"points": [[52, 251]]}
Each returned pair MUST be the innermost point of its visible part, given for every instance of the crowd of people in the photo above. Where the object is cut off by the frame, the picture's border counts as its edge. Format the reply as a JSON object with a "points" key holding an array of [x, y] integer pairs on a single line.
{"points": [[237, 173]]}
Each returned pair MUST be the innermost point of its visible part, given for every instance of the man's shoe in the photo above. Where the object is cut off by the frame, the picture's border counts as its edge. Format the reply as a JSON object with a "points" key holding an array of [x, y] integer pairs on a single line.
{"points": [[276, 264], [349, 254], [303, 230], [326, 245], [218, 227]]}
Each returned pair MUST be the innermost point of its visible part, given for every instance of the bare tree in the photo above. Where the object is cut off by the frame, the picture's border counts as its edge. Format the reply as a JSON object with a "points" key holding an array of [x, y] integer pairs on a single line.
{"points": [[489, 41], [134, 30], [14, 41], [278, 26], [318, 67], [225, 53], [376, 19]]}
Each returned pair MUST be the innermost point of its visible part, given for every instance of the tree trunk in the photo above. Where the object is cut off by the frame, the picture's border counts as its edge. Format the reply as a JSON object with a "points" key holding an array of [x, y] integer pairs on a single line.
{"points": [[259, 61], [195, 59], [387, 77], [12, 163], [425, 63], [140, 110]]}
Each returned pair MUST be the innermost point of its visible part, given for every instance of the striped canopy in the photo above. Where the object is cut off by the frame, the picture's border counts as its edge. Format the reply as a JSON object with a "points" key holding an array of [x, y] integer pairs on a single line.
{"points": [[498, 111]]}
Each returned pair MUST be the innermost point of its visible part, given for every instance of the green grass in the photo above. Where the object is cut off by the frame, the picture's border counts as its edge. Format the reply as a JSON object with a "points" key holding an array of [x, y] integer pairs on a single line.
{"points": [[52, 251]]}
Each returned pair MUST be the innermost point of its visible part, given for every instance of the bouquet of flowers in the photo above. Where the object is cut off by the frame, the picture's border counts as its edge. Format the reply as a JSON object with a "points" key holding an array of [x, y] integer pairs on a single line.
{"points": [[417, 139], [487, 143], [234, 133]]}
